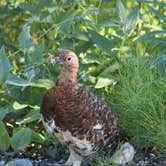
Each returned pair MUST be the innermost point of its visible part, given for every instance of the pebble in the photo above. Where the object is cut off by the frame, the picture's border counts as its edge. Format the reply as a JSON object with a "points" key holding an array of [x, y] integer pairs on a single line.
{"points": [[141, 163], [2, 163], [22, 162]]}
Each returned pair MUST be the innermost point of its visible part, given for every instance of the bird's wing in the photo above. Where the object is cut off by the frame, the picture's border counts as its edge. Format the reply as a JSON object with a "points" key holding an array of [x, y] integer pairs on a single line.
{"points": [[48, 105]]}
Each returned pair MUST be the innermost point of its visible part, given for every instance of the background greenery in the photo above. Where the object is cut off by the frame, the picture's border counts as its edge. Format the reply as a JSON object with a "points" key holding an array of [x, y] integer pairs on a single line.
{"points": [[122, 50]]}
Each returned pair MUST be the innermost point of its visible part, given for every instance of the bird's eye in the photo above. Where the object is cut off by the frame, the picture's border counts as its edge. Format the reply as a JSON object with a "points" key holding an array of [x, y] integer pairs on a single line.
{"points": [[69, 59]]}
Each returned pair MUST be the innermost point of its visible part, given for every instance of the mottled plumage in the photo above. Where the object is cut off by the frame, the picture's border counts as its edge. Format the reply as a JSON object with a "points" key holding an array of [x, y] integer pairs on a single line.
{"points": [[75, 115]]}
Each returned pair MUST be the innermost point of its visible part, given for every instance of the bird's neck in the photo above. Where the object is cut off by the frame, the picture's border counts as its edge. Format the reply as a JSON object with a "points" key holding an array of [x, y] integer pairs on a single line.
{"points": [[68, 76]]}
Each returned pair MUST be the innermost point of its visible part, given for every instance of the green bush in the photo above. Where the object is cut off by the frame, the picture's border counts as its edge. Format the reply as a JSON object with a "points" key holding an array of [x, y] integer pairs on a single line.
{"points": [[139, 99], [121, 47]]}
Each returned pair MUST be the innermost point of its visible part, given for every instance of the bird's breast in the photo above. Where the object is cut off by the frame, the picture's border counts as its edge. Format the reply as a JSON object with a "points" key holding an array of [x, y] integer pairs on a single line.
{"points": [[81, 146]]}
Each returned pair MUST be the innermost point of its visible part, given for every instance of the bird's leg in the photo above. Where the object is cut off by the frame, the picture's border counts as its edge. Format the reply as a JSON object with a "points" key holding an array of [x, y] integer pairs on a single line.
{"points": [[74, 159]]}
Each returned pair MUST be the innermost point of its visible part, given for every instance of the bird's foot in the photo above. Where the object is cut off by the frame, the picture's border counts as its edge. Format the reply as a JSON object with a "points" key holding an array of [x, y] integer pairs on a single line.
{"points": [[74, 159]]}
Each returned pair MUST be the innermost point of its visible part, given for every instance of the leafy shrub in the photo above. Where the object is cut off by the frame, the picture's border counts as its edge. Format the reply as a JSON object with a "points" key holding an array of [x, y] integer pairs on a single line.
{"points": [[139, 99]]}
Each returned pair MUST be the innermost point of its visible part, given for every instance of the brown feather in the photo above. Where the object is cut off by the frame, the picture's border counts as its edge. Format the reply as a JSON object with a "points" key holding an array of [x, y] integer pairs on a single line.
{"points": [[78, 110]]}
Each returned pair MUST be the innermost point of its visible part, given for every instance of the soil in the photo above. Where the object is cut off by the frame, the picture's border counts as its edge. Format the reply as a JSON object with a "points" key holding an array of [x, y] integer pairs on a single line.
{"points": [[144, 158]]}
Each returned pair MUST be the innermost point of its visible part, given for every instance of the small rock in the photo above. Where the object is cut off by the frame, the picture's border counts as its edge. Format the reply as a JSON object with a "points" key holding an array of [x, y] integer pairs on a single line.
{"points": [[124, 155], [2, 163], [141, 163], [22, 162]]}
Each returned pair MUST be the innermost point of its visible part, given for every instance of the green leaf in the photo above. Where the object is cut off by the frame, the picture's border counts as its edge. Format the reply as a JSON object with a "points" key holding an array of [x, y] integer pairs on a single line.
{"points": [[91, 59], [81, 36], [131, 21], [108, 23], [150, 36], [102, 43], [105, 78], [110, 69], [67, 44], [103, 82], [160, 63], [4, 65], [30, 117], [25, 39], [21, 138], [65, 27], [40, 18], [43, 83], [162, 4], [157, 13], [37, 137], [83, 47], [18, 106], [3, 113], [66, 19], [37, 53], [26, 7], [122, 12], [66, 16], [11, 163], [17, 81], [4, 137]]}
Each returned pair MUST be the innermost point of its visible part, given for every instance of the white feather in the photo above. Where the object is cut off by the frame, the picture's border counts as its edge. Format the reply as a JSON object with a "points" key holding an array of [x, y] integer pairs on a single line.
{"points": [[84, 145], [98, 126]]}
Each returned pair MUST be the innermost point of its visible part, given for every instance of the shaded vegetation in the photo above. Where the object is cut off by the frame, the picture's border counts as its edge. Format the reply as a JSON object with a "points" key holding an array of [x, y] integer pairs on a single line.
{"points": [[121, 47]]}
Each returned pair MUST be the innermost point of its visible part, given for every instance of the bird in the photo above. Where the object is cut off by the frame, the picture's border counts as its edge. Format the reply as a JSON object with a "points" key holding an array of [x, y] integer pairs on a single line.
{"points": [[75, 115]]}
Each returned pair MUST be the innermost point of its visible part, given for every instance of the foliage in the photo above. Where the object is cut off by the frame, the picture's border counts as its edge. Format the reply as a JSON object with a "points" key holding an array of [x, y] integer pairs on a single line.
{"points": [[121, 47], [140, 102]]}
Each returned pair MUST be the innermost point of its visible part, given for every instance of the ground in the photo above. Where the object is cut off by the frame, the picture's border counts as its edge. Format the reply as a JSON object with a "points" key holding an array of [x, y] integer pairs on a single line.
{"points": [[148, 157]]}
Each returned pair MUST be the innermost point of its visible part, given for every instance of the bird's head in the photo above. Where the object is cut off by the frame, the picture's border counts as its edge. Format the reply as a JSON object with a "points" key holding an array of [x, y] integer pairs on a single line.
{"points": [[68, 60]]}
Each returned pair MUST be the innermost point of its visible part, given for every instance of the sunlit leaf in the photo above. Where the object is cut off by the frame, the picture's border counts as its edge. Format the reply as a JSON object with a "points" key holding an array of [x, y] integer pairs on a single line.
{"points": [[21, 138], [103, 82], [43, 83], [4, 137], [18, 106], [105, 78]]}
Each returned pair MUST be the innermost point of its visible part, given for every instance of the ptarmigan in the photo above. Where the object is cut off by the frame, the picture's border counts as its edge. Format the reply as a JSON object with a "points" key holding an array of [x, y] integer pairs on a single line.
{"points": [[75, 115]]}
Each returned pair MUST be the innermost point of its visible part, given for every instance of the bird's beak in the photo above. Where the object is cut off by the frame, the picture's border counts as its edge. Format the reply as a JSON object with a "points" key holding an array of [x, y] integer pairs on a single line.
{"points": [[58, 60]]}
